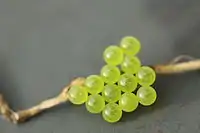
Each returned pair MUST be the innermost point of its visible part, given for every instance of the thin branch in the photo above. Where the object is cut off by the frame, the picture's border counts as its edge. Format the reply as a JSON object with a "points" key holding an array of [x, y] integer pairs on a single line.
{"points": [[49, 103], [23, 115], [5, 110], [174, 67], [178, 67]]}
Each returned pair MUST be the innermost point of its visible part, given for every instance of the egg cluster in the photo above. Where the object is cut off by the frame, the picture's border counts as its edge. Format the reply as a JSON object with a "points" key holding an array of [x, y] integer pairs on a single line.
{"points": [[121, 85]]}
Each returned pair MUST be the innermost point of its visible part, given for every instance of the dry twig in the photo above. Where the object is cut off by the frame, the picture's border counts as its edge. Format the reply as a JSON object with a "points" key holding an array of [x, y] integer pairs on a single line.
{"points": [[174, 67], [178, 65], [23, 115]]}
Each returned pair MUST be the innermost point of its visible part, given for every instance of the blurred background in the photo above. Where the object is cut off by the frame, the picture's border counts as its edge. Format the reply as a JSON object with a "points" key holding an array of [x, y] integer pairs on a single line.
{"points": [[46, 43]]}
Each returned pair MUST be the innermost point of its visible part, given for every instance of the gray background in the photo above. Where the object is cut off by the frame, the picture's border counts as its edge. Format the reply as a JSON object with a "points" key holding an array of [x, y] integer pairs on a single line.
{"points": [[46, 43]]}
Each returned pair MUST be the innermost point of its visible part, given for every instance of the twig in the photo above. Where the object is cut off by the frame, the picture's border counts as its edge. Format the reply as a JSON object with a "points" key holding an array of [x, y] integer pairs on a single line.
{"points": [[23, 115], [5, 110], [178, 67], [174, 67], [61, 98]]}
